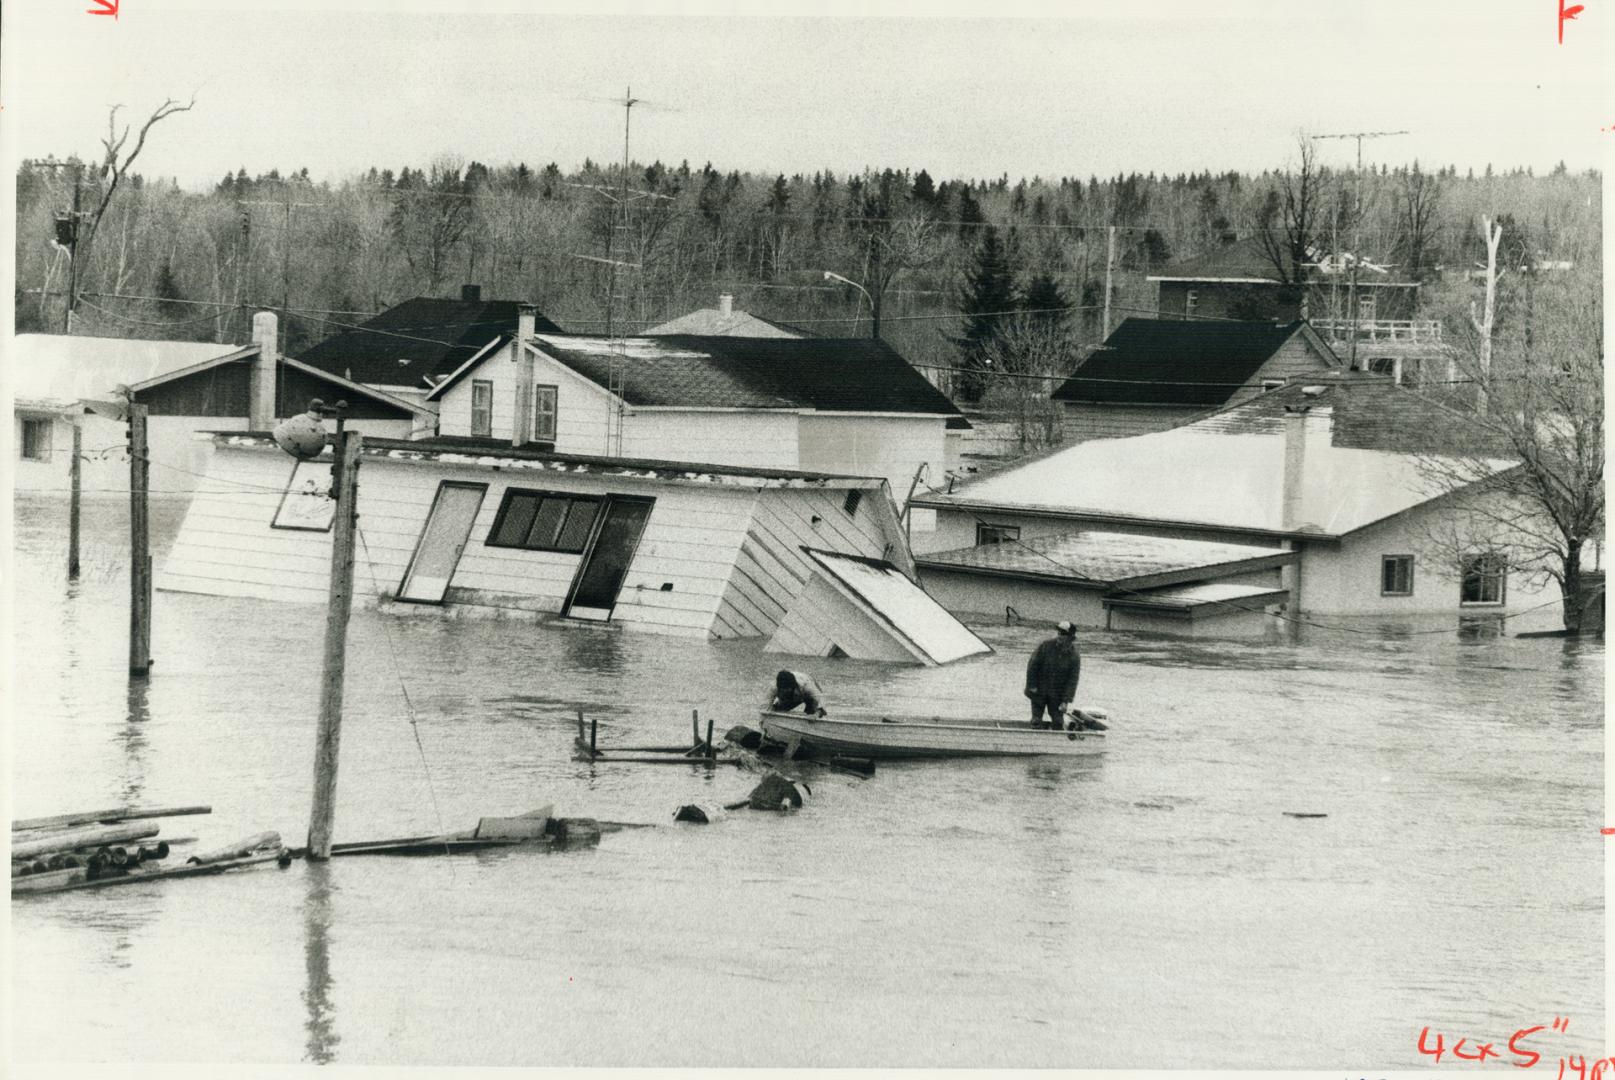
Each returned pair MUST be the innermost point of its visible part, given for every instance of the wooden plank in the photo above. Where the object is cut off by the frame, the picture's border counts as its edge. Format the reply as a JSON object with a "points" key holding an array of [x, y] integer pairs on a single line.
{"points": [[107, 817], [77, 838], [63, 880]]}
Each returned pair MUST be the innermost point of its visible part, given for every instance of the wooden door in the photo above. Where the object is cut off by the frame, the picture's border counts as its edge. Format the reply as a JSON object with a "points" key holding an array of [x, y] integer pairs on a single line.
{"points": [[605, 562], [438, 551]]}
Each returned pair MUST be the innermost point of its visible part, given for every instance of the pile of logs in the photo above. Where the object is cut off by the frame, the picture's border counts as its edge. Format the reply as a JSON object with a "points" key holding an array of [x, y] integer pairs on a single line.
{"points": [[118, 846]]}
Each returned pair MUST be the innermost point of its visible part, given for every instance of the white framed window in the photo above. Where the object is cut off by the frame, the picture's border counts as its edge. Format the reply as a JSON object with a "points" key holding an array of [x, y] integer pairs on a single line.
{"points": [[1485, 576], [544, 413], [36, 440], [1396, 575], [482, 408]]}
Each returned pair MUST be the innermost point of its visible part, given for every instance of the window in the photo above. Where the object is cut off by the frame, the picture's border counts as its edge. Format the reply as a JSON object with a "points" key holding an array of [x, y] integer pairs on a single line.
{"points": [[1396, 575], [36, 440], [482, 408], [543, 521], [1191, 300], [1385, 365], [854, 496], [996, 534], [544, 406], [1483, 577]]}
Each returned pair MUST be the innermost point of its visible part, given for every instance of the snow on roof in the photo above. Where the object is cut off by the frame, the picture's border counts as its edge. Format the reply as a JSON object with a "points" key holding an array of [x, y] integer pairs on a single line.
{"points": [[713, 322], [903, 605], [1217, 473], [62, 369], [1106, 558]]}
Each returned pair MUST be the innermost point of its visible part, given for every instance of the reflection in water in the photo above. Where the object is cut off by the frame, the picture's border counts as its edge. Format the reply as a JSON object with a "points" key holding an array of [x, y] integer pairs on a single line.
{"points": [[321, 1023], [597, 651], [133, 738]]}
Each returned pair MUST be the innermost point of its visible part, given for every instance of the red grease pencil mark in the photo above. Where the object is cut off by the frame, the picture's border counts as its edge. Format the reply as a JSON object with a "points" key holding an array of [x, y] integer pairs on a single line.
{"points": [[110, 7], [1565, 15], [1607, 831]]}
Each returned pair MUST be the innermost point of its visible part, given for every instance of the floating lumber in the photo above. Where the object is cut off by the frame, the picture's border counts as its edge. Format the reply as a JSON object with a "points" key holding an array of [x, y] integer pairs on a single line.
{"points": [[79, 877], [536, 829], [77, 838], [700, 751], [105, 817], [239, 850]]}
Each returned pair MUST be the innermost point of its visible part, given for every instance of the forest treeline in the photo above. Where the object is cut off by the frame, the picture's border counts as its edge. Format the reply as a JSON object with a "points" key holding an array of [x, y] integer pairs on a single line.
{"points": [[335, 250]]}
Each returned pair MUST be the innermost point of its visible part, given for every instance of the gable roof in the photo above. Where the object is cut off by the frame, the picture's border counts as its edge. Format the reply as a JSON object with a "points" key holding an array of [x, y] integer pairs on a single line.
{"points": [[420, 338], [249, 352], [685, 371], [710, 322], [62, 369], [1368, 452], [1246, 261], [1196, 363]]}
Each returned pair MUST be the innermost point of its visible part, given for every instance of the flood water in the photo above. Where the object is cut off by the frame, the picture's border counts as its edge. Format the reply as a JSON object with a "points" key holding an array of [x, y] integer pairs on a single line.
{"points": [[1152, 908]]}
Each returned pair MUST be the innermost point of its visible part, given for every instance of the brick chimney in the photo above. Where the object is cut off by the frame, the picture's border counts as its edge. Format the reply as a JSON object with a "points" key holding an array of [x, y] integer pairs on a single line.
{"points": [[1304, 426], [471, 294], [522, 421], [261, 385], [726, 306]]}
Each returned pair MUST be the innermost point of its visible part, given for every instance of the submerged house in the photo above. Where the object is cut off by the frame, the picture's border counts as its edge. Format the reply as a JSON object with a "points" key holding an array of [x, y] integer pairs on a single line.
{"points": [[1308, 500], [825, 406], [714, 551], [1155, 374]]}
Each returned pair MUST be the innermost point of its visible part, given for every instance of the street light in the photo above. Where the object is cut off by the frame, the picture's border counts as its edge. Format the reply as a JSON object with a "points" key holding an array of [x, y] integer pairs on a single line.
{"points": [[831, 275]]}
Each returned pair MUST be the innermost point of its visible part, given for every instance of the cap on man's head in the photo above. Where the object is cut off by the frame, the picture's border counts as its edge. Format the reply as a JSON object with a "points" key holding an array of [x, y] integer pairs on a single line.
{"points": [[1066, 628]]}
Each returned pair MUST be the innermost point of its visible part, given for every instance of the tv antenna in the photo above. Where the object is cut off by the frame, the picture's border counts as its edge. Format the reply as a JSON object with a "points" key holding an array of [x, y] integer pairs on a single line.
{"points": [[1356, 226]]}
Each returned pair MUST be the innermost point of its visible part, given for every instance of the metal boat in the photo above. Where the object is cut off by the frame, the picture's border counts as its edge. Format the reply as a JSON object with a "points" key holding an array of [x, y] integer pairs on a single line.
{"points": [[873, 735]]}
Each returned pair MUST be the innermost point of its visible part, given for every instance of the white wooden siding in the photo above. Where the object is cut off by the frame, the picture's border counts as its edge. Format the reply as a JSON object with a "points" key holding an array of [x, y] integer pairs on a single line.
{"points": [[580, 405], [760, 439], [890, 447], [822, 617]]}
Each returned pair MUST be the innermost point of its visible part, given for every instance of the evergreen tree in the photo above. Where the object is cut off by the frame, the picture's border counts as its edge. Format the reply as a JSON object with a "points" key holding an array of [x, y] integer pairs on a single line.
{"points": [[167, 290], [1043, 301], [924, 192], [988, 297]]}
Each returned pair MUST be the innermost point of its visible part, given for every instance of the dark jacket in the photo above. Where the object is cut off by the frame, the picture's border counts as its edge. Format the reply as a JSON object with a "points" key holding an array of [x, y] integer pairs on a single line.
{"points": [[1053, 671], [805, 695]]}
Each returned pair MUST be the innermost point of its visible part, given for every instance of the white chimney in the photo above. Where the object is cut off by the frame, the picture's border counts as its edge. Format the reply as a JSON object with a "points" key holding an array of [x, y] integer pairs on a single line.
{"points": [[726, 306], [522, 421], [261, 387], [1303, 425]]}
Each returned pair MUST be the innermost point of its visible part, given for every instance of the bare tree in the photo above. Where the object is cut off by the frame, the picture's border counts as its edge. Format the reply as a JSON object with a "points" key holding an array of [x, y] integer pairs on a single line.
{"points": [[115, 165], [1287, 218], [1539, 405], [1029, 356], [1418, 204]]}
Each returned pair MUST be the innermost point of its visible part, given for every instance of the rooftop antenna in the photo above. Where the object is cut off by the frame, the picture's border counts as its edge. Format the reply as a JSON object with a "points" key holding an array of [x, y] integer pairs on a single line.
{"points": [[1356, 226], [617, 242]]}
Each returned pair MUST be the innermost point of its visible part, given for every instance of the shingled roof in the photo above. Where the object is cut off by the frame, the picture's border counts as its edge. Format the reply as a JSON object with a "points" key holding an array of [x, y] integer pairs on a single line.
{"points": [[1195, 363], [423, 337], [824, 374]]}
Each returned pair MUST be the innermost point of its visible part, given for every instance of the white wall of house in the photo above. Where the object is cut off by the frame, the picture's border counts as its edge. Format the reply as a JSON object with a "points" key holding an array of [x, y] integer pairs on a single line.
{"points": [[766, 440], [957, 529], [892, 447], [1346, 579]]}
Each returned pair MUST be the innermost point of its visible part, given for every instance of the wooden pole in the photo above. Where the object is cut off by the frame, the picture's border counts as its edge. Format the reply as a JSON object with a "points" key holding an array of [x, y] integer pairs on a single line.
{"points": [[328, 738], [74, 479], [139, 545], [106, 817]]}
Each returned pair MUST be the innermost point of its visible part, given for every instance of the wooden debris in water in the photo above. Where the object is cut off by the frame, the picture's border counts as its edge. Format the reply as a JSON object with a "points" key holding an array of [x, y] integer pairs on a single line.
{"points": [[1299, 814], [105, 817], [700, 751]]}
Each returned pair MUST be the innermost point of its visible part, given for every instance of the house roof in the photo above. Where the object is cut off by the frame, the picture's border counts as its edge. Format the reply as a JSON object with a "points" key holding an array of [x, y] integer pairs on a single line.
{"points": [[685, 371], [251, 351], [710, 322], [59, 369], [1191, 598], [1368, 450], [1109, 559], [892, 601], [420, 338], [1182, 362], [499, 454]]}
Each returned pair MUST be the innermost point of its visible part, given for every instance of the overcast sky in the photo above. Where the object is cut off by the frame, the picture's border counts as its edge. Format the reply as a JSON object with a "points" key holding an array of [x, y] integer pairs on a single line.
{"points": [[1161, 85]]}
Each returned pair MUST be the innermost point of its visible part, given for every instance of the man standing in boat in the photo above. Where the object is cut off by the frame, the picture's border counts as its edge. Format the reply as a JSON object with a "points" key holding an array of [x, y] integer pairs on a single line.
{"points": [[792, 688], [1052, 675]]}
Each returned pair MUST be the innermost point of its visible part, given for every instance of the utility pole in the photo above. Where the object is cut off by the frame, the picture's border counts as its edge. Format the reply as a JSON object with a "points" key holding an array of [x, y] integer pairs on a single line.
{"points": [[1356, 227], [139, 545], [68, 237], [74, 474], [328, 737], [286, 205], [1110, 266]]}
